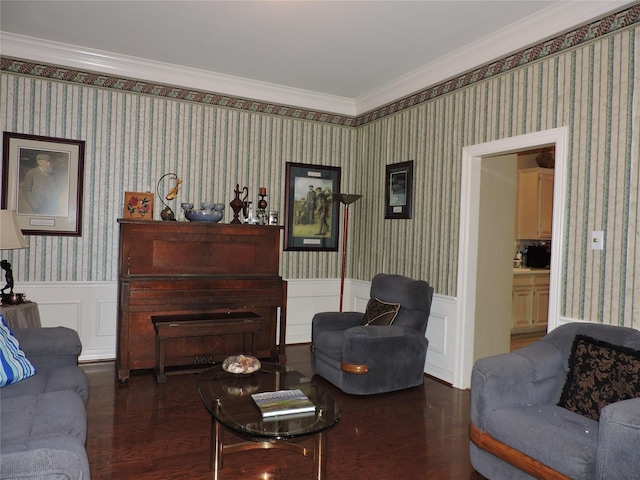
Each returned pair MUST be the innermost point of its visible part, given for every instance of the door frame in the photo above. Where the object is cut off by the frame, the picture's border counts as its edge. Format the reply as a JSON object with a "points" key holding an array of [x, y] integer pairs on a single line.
{"points": [[468, 244]]}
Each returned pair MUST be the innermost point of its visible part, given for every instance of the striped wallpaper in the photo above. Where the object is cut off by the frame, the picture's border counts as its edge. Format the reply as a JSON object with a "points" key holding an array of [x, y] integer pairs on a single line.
{"points": [[595, 90], [134, 138]]}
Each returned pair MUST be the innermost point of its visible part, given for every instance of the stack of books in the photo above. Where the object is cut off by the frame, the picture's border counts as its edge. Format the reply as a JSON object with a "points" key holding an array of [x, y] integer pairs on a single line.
{"points": [[283, 402]]}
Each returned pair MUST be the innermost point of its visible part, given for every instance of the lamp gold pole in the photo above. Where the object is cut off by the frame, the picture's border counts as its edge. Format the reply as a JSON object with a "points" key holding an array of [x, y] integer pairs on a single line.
{"points": [[346, 199]]}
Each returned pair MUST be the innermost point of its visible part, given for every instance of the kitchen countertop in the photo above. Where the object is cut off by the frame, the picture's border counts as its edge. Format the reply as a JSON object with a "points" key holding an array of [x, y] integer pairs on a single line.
{"points": [[531, 271]]}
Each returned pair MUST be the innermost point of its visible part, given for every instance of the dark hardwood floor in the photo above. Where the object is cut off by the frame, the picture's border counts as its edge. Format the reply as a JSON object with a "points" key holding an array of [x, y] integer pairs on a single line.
{"points": [[147, 431], [523, 339]]}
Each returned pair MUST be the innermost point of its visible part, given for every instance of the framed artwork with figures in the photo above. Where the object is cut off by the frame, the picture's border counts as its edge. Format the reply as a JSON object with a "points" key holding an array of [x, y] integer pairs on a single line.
{"points": [[42, 180], [311, 213]]}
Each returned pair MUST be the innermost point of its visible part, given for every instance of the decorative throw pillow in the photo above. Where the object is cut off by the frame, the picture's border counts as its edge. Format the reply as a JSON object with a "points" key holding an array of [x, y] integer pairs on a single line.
{"points": [[380, 313], [14, 365], [600, 373]]}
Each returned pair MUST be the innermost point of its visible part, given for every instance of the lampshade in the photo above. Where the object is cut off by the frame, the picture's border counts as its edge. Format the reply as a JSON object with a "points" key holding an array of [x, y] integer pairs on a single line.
{"points": [[347, 198], [10, 235]]}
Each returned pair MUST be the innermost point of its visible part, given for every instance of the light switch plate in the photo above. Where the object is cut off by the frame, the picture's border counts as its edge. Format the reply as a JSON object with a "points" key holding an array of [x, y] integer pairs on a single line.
{"points": [[597, 240]]}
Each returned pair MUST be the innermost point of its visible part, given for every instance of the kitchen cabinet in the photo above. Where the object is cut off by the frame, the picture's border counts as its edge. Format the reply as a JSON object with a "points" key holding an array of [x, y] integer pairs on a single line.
{"points": [[530, 301], [535, 204]]}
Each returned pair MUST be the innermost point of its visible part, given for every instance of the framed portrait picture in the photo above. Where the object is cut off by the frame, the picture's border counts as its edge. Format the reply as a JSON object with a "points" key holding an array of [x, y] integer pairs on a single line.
{"points": [[399, 190], [42, 181], [311, 212]]}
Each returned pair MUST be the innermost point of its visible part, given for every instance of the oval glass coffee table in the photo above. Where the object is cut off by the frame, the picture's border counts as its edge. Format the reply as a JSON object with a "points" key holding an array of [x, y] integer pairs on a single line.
{"points": [[227, 397]]}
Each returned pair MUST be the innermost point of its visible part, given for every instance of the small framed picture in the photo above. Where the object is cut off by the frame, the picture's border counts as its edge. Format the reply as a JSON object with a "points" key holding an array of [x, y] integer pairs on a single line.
{"points": [[42, 180], [399, 190], [138, 205], [311, 213]]}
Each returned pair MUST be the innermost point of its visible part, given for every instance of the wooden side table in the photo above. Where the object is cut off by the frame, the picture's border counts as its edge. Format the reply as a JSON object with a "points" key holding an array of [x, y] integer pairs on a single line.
{"points": [[24, 315]]}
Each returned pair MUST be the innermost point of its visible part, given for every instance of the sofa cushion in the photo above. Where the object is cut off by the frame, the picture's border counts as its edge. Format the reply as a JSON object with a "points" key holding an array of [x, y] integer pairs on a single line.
{"points": [[556, 437], [30, 419], [600, 373], [71, 378], [14, 365], [380, 313]]}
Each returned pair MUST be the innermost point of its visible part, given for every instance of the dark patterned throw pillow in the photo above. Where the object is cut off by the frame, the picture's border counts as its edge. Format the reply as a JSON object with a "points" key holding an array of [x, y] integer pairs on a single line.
{"points": [[600, 373], [380, 313]]}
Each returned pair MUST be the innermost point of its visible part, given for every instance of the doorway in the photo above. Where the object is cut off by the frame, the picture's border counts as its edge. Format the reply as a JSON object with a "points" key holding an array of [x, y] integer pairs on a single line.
{"points": [[472, 344]]}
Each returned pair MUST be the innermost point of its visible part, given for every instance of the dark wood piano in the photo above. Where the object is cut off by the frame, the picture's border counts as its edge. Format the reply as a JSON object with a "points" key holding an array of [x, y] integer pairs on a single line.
{"points": [[175, 268]]}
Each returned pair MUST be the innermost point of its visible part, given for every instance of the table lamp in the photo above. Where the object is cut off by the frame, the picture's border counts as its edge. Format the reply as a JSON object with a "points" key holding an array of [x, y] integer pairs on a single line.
{"points": [[11, 238], [346, 199]]}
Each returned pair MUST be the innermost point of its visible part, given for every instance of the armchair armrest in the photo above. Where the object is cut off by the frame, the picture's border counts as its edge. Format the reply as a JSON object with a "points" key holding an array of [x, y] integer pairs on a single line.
{"points": [[533, 375], [383, 347], [618, 440], [50, 347], [328, 321]]}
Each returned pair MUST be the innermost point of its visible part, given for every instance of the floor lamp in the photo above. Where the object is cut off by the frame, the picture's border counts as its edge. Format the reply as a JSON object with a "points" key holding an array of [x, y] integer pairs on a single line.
{"points": [[346, 199]]}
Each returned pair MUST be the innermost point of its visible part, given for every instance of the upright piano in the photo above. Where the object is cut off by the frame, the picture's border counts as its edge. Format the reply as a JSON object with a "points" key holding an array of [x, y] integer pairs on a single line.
{"points": [[177, 268]]}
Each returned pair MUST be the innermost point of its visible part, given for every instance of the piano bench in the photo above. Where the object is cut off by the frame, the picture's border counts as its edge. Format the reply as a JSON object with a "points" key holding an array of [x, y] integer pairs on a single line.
{"points": [[202, 325]]}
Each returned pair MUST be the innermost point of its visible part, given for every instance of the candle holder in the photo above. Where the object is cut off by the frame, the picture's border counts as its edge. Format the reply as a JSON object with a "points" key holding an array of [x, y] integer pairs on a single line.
{"points": [[262, 209]]}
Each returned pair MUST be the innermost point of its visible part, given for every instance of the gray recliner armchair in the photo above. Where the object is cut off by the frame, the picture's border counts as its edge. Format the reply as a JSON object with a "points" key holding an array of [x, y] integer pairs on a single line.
{"points": [[377, 357], [553, 410]]}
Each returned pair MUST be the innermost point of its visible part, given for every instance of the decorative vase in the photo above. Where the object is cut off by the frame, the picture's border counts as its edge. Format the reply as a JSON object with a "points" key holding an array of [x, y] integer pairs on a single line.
{"points": [[546, 158], [237, 204]]}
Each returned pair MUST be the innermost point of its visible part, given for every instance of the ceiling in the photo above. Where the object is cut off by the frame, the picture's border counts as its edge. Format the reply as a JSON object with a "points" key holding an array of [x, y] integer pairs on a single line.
{"points": [[342, 56]]}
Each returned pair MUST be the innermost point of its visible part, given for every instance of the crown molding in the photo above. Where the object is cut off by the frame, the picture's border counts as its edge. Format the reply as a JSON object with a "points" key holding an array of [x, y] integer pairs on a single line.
{"points": [[555, 20], [71, 56]]}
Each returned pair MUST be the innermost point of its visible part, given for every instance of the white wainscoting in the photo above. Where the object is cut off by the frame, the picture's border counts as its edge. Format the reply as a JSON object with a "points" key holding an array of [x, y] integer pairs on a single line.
{"points": [[91, 308], [305, 298]]}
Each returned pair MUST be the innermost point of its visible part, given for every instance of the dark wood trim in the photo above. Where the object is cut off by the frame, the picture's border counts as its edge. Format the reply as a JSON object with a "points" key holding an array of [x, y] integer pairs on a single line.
{"points": [[533, 467], [354, 368]]}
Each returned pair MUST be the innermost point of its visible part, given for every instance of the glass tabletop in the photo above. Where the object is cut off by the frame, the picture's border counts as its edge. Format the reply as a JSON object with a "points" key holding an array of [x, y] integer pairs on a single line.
{"points": [[227, 396]]}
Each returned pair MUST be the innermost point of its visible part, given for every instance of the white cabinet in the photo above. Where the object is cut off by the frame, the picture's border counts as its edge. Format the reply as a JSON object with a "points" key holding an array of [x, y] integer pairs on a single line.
{"points": [[530, 302], [535, 204]]}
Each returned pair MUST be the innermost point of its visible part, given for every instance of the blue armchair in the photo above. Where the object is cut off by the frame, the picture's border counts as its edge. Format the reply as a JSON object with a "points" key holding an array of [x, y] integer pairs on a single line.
{"points": [[380, 356]]}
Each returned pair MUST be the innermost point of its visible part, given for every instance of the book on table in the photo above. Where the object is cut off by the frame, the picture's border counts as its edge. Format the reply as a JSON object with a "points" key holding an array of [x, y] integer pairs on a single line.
{"points": [[283, 402]]}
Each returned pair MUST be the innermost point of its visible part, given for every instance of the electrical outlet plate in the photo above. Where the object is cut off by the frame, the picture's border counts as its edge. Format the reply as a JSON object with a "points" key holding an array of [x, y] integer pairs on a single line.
{"points": [[597, 240]]}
